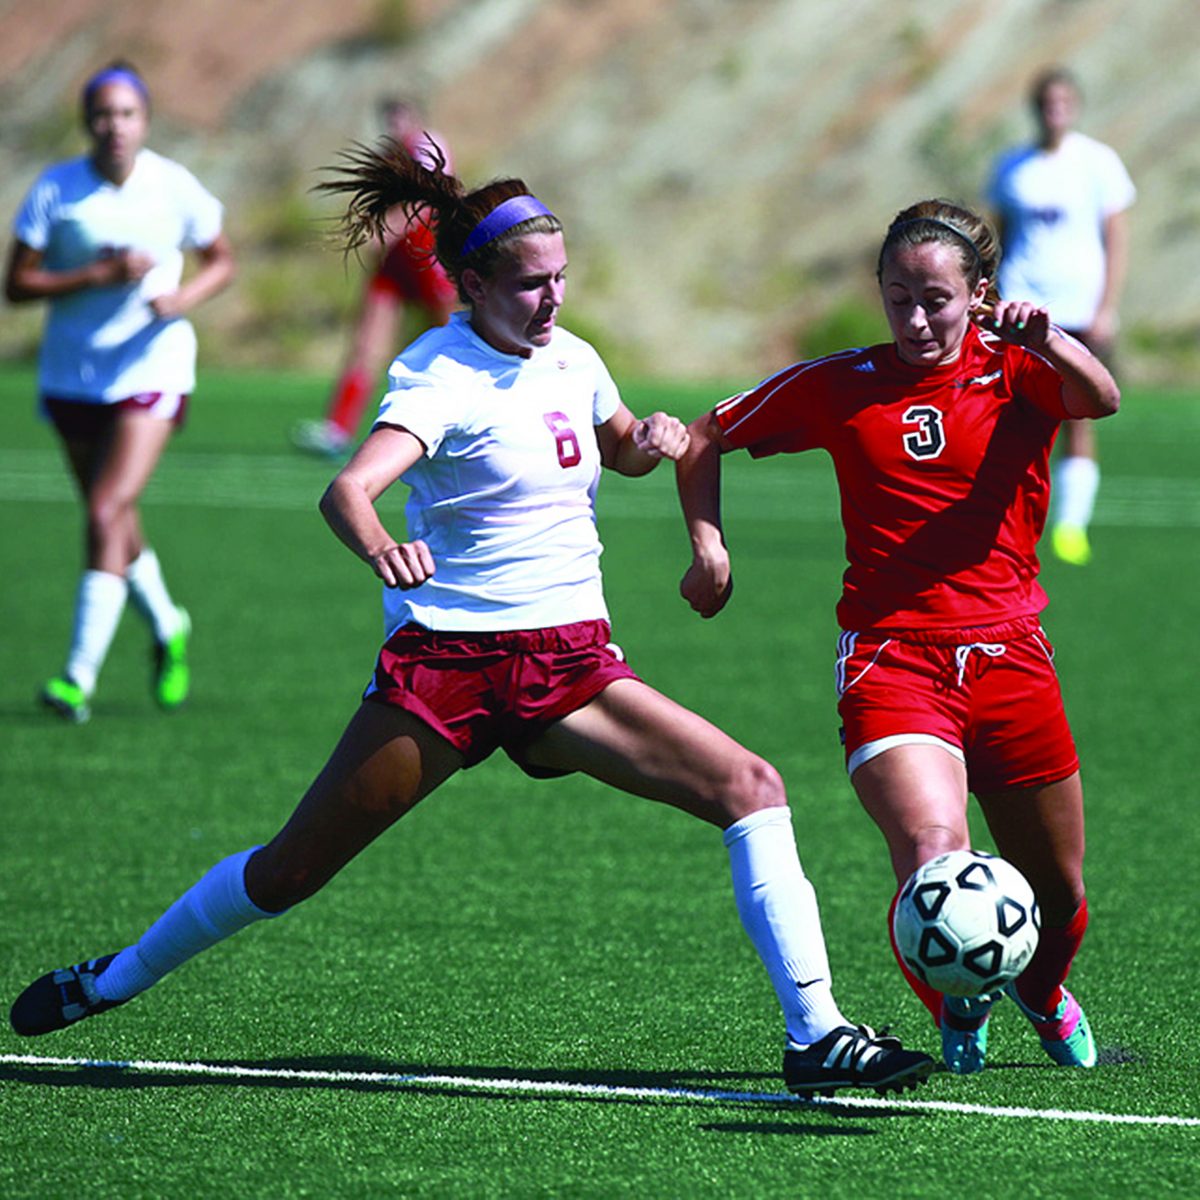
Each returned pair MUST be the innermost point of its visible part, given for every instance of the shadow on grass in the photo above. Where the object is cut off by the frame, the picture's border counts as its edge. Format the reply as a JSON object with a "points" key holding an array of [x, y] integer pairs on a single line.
{"points": [[371, 1075]]}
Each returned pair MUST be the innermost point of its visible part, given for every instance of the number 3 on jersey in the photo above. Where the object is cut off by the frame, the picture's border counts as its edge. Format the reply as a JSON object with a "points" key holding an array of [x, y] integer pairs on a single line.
{"points": [[565, 441], [929, 438]]}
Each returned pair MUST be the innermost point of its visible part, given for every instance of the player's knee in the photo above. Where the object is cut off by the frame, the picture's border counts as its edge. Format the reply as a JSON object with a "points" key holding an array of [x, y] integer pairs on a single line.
{"points": [[107, 515], [929, 840], [273, 883], [754, 785]]}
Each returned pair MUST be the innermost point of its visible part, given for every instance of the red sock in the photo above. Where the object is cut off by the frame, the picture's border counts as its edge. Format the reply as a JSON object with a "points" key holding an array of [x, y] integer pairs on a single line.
{"points": [[928, 996], [349, 400], [1040, 984]]}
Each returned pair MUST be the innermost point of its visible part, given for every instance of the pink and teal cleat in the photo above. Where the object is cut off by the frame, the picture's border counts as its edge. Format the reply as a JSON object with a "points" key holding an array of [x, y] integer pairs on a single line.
{"points": [[1066, 1036]]}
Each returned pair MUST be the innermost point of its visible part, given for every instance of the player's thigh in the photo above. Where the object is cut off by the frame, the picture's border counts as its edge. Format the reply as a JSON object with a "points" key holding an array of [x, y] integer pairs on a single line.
{"points": [[1040, 830], [137, 443], [639, 740], [386, 761], [83, 457], [917, 796]]}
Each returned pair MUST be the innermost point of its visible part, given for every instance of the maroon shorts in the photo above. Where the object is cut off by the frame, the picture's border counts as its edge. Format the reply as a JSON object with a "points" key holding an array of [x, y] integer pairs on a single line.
{"points": [[482, 691], [989, 695], [90, 420], [410, 272]]}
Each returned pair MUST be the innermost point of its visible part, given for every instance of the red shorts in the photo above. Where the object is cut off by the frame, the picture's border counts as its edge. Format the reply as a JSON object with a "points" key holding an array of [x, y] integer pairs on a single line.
{"points": [[90, 420], [482, 691], [989, 695], [409, 271]]}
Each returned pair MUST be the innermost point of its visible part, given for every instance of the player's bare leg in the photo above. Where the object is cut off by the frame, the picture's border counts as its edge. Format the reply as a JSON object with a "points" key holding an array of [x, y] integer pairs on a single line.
{"points": [[636, 739], [1041, 832], [385, 762], [917, 795], [111, 473]]}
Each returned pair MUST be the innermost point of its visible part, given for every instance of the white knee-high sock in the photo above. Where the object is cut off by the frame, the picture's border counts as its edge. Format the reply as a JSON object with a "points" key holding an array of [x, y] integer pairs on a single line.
{"points": [[209, 911], [148, 591], [99, 603], [778, 907], [1076, 482]]}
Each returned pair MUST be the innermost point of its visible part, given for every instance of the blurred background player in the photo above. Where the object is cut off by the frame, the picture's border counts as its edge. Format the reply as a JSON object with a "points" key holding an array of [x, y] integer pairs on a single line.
{"points": [[1061, 206], [941, 443], [103, 238], [407, 272]]}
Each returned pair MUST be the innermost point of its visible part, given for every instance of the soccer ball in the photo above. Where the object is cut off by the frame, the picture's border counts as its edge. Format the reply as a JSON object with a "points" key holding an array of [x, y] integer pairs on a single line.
{"points": [[966, 923]]}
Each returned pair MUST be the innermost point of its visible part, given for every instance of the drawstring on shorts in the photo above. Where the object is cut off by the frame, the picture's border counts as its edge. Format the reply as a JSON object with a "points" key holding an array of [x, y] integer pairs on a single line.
{"points": [[963, 653]]}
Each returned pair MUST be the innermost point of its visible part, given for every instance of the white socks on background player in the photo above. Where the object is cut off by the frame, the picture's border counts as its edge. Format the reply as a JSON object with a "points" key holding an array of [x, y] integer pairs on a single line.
{"points": [[778, 907], [99, 603], [209, 911], [150, 597], [1076, 482], [98, 607]]}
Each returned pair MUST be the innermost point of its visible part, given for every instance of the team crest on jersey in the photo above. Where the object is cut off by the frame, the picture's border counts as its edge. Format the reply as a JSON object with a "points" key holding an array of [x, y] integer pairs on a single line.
{"points": [[978, 380], [561, 364]]}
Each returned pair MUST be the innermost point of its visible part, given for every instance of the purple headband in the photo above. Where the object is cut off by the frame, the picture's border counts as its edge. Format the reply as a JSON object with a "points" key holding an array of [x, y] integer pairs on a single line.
{"points": [[501, 219], [113, 75]]}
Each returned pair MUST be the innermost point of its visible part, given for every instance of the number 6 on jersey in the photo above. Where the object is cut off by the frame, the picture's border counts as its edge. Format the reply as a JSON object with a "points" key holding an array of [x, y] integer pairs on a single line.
{"points": [[565, 441]]}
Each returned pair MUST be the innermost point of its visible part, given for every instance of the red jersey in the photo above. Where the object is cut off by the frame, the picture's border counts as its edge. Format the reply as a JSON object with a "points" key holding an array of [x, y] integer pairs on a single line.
{"points": [[943, 472]]}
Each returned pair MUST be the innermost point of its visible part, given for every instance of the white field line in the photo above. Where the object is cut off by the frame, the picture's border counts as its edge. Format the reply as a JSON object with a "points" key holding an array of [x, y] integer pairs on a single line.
{"points": [[785, 492], [596, 1091]]}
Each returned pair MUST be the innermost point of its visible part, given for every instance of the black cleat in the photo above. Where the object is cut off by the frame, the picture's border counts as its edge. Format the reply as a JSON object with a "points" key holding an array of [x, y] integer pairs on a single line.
{"points": [[60, 999], [854, 1056]]}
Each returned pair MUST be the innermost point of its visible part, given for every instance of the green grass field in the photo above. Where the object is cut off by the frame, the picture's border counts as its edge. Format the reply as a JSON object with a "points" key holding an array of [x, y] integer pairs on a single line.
{"points": [[541, 988]]}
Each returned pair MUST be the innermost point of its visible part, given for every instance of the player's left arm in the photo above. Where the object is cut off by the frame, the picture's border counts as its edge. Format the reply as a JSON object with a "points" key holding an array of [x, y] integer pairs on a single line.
{"points": [[216, 270], [631, 446], [1088, 389], [1103, 329]]}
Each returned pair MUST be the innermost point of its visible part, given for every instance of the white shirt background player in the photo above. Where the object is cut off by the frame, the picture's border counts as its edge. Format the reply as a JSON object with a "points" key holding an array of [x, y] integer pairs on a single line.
{"points": [[107, 343]]}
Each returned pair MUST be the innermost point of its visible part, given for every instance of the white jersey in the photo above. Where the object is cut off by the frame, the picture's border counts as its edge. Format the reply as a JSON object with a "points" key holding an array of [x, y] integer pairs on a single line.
{"points": [[1054, 205], [105, 344], [504, 494]]}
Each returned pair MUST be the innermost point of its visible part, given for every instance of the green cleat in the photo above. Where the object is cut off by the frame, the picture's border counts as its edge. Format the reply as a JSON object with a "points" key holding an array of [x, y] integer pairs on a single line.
{"points": [[66, 698], [1070, 543], [172, 675]]}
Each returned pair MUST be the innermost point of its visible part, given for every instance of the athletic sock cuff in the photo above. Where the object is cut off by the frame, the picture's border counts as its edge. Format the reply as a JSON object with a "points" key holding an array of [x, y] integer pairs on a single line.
{"points": [[778, 815]]}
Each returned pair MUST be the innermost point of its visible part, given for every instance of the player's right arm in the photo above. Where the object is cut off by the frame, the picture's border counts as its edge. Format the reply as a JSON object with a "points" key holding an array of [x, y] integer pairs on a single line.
{"points": [[708, 582], [348, 507], [25, 278]]}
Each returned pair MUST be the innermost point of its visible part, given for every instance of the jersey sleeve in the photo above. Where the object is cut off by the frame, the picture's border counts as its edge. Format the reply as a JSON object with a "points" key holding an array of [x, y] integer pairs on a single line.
{"points": [[411, 403], [36, 214], [1034, 380], [782, 415], [606, 398], [1117, 191], [203, 213]]}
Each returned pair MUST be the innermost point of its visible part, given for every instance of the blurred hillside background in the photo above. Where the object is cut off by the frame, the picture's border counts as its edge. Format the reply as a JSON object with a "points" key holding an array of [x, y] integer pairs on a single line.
{"points": [[725, 168]]}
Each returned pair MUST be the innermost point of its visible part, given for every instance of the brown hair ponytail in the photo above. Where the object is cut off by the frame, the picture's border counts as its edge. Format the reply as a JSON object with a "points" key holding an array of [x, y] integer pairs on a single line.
{"points": [[378, 178]]}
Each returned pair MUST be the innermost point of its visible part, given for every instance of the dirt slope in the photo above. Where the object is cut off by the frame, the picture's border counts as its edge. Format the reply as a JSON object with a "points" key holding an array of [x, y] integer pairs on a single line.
{"points": [[725, 167]]}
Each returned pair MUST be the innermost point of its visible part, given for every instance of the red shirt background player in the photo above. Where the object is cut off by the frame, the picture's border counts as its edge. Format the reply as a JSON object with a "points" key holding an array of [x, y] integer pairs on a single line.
{"points": [[941, 442], [407, 272]]}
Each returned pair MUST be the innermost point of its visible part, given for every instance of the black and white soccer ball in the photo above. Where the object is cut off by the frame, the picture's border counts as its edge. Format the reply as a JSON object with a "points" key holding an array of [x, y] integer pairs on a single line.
{"points": [[966, 923]]}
